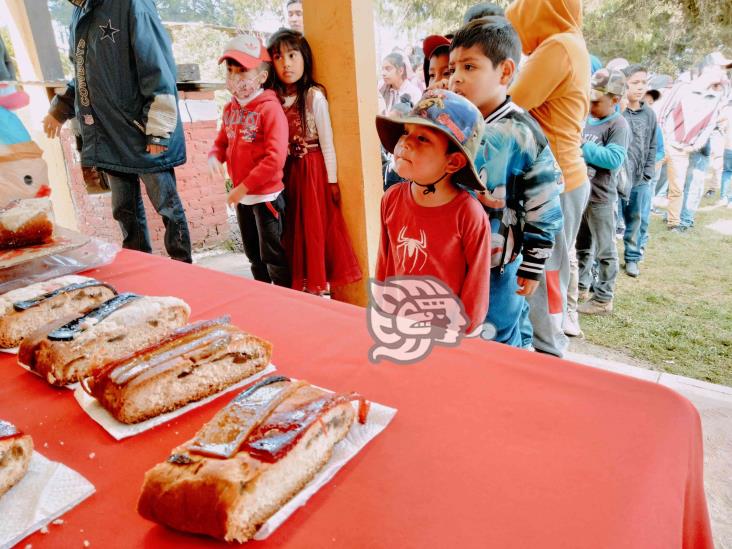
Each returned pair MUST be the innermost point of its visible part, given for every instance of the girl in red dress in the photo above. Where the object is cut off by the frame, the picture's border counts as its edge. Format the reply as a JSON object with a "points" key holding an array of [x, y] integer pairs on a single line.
{"points": [[316, 239]]}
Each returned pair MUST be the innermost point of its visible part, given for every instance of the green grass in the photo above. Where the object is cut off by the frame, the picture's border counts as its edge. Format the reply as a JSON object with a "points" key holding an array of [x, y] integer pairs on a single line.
{"points": [[678, 314]]}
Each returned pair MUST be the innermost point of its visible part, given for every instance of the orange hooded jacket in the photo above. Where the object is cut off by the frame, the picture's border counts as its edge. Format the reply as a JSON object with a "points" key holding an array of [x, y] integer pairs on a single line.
{"points": [[554, 83]]}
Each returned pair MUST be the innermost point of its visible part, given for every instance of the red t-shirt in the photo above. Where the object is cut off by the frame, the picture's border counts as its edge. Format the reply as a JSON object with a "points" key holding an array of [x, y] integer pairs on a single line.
{"points": [[449, 242]]}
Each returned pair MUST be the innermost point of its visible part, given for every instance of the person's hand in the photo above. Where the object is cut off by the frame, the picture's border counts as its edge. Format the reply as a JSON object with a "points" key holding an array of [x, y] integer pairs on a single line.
{"points": [[335, 193], [439, 85], [152, 148], [526, 286], [235, 195], [51, 126], [216, 168]]}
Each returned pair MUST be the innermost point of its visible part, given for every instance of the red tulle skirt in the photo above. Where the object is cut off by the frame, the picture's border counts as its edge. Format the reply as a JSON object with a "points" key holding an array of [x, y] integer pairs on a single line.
{"points": [[315, 239]]}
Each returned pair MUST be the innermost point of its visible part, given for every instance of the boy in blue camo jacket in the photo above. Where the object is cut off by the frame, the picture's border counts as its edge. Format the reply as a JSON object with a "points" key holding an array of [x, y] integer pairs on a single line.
{"points": [[522, 179]]}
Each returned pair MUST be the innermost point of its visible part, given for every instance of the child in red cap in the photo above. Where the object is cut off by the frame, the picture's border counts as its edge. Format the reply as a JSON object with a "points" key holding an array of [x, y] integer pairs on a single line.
{"points": [[253, 144], [436, 67]]}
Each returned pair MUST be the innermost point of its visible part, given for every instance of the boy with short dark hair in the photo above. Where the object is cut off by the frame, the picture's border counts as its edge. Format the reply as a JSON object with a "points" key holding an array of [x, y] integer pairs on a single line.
{"points": [[253, 142], [641, 166], [522, 178], [430, 226], [605, 146], [480, 10]]}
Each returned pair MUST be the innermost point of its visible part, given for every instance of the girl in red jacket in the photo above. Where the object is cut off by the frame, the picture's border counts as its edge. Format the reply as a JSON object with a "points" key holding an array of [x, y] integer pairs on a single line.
{"points": [[316, 239], [253, 143]]}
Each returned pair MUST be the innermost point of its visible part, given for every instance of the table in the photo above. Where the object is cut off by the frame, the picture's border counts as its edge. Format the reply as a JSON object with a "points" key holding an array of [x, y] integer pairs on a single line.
{"points": [[491, 447]]}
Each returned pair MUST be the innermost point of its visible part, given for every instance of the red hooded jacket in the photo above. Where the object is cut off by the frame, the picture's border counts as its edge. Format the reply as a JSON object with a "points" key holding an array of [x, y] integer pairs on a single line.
{"points": [[253, 142]]}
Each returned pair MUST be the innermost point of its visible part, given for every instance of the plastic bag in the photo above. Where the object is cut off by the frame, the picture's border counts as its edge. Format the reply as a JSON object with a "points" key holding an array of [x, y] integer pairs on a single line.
{"points": [[89, 256]]}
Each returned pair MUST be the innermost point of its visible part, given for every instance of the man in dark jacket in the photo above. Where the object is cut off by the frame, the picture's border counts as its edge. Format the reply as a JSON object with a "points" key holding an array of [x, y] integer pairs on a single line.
{"points": [[640, 165], [125, 99]]}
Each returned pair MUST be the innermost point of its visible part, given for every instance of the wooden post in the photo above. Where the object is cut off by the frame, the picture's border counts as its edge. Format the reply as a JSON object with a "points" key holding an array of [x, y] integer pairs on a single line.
{"points": [[341, 34]]}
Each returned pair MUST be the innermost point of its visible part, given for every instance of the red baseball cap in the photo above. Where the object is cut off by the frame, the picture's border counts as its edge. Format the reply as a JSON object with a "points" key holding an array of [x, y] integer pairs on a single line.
{"points": [[432, 42], [247, 50]]}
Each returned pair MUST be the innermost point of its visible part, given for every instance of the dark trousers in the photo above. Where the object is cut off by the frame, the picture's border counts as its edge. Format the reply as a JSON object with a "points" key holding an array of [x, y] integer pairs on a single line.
{"points": [[261, 227], [129, 211], [596, 243]]}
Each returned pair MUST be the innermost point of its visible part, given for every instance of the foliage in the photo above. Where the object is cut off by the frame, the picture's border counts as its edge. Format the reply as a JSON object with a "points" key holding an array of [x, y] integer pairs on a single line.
{"points": [[5, 35], [425, 16], [200, 45], [668, 35], [206, 26]]}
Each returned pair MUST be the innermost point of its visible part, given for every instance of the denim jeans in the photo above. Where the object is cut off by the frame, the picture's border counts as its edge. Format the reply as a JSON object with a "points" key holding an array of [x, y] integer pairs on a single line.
{"points": [[507, 311], [725, 191], [129, 211], [694, 186], [596, 242], [636, 211]]}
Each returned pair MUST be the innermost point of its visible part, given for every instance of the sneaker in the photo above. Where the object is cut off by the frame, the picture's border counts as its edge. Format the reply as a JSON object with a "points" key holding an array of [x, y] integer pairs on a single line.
{"points": [[571, 325], [676, 229], [595, 307], [632, 269], [583, 296], [709, 194]]}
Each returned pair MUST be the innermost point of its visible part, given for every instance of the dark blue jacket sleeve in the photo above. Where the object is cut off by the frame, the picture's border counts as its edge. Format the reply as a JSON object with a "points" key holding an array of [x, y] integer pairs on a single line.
{"points": [[155, 71], [649, 167]]}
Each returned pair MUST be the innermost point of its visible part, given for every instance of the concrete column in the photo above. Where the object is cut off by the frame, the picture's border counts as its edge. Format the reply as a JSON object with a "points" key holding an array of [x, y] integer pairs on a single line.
{"points": [[341, 34], [38, 60]]}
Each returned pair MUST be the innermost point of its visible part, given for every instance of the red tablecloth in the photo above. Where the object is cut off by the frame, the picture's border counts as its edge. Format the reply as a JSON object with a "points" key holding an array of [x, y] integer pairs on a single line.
{"points": [[491, 447]]}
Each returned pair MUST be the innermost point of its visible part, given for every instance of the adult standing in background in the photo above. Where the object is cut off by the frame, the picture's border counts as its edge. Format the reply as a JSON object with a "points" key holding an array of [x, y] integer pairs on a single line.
{"points": [[688, 114], [554, 86], [125, 98], [294, 16]]}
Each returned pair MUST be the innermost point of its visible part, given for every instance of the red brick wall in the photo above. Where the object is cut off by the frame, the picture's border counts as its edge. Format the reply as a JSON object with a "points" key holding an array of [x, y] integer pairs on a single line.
{"points": [[203, 199]]}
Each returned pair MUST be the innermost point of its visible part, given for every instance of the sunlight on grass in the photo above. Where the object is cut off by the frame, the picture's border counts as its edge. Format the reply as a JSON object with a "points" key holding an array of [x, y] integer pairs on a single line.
{"points": [[678, 314]]}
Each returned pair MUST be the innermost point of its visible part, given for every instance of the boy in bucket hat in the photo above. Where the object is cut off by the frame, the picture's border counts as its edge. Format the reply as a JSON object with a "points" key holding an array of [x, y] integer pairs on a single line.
{"points": [[605, 147], [430, 226], [253, 143]]}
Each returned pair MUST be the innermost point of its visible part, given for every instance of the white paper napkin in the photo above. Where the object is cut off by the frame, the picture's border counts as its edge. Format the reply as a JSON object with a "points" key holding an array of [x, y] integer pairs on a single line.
{"points": [[356, 439], [46, 492], [121, 430], [11, 351]]}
